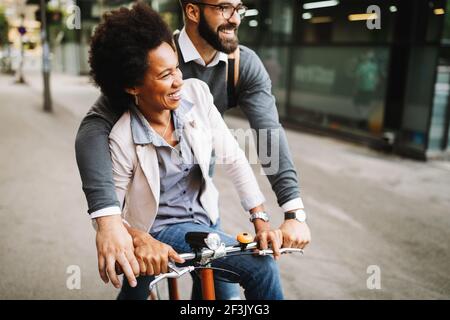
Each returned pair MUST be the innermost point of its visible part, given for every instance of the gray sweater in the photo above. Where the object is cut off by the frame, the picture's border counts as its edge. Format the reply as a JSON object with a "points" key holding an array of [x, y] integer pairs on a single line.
{"points": [[253, 95]]}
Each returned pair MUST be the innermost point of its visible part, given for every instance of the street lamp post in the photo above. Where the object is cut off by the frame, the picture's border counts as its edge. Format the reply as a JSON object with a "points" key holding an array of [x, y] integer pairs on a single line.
{"points": [[45, 58], [22, 30]]}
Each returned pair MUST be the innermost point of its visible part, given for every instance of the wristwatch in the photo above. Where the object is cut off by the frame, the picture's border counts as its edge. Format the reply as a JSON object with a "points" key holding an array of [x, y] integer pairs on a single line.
{"points": [[259, 215], [299, 215]]}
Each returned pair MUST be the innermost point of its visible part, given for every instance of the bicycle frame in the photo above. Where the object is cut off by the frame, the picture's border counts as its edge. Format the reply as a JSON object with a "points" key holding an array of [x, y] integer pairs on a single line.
{"points": [[207, 280]]}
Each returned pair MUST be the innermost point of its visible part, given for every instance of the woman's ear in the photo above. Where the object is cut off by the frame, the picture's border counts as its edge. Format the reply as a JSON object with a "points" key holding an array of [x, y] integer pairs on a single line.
{"points": [[132, 91], [192, 12], [135, 93]]}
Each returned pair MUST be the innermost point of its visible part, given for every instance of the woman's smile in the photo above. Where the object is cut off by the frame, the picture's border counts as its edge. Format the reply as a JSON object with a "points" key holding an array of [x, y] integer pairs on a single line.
{"points": [[175, 96]]}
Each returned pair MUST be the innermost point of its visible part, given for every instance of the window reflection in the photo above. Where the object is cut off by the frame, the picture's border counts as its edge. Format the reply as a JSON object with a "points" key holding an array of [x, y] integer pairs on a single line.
{"points": [[275, 61], [329, 69], [267, 22], [340, 87]]}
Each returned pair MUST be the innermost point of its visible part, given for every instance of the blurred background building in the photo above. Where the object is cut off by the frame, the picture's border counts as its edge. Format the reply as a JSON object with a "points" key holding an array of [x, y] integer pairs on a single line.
{"points": [[376, 72]]}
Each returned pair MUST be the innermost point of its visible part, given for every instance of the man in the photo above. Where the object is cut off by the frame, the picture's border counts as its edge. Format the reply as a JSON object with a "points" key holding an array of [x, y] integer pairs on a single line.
{"points": [[210, 33]]}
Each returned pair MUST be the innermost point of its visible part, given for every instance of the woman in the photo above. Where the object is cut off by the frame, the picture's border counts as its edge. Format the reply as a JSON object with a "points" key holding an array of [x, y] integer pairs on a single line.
{"points": [[163, 149]]}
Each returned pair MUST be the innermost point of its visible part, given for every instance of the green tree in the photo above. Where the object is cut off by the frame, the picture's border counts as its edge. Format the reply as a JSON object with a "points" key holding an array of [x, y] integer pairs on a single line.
{"points": [[4, 27]]}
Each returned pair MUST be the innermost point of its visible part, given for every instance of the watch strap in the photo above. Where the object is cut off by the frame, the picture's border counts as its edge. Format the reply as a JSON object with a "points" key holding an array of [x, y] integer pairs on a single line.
{"points": [[290, 215], [295, 215]]}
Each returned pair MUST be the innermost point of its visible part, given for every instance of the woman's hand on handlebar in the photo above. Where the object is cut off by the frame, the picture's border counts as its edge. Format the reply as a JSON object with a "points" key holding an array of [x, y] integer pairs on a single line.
{"points": [[265, 236], [152, 255]]}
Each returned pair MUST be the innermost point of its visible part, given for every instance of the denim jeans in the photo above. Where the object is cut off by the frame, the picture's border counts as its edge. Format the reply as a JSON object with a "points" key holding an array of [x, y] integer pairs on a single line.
{"points": [[259, 276]]}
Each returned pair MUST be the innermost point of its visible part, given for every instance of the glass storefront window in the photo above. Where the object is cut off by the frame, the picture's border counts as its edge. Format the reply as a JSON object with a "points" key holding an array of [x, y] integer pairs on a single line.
{"points": [[275, 60], [419, 96], [267, 21], [437, 128], [435, 19], [170, 11], [446, 32], [340, 87], [448, 139]]}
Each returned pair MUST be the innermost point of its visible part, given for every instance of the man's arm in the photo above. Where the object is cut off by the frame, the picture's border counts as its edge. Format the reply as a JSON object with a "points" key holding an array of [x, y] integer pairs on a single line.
{"points": [[258, 104], [114, 243], [230, 155], [233, 159], [94, 159], [94, 164]]}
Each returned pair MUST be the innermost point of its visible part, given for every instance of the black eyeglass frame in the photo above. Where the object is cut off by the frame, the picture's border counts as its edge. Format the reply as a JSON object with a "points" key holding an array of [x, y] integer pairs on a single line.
{"points": [[222, 8]]}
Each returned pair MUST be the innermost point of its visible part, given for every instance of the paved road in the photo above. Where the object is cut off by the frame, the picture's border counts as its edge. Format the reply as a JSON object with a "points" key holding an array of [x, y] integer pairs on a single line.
{"points": [[365, 209]]}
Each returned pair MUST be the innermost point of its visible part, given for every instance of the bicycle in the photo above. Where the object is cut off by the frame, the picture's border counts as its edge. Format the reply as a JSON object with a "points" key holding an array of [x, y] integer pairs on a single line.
{"points": [[208, 247]]}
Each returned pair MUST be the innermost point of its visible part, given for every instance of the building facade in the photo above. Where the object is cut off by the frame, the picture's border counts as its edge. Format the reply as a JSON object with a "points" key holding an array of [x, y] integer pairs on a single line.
{"points": [[373, 71], [376, 72]]}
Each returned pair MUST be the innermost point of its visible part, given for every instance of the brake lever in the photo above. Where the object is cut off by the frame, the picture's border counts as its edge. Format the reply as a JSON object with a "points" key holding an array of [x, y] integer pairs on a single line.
{"points": [[176, 273], [266, 252]]}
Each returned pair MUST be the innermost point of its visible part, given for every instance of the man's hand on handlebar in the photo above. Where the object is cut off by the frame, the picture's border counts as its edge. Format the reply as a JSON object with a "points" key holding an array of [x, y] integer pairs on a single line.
{"points": [[115, 251], [295, 234]]}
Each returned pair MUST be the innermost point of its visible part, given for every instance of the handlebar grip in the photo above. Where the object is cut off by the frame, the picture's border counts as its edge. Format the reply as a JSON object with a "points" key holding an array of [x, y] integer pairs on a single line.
{"points": [[196, 240]]}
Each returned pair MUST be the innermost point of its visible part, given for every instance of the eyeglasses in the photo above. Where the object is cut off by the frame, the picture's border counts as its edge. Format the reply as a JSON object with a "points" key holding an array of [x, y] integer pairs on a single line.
{"points": [[227, 9]]}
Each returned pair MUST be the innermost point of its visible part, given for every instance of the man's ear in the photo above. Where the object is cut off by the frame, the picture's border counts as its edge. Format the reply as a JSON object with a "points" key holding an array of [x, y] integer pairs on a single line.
{"points": [[192, 13]]}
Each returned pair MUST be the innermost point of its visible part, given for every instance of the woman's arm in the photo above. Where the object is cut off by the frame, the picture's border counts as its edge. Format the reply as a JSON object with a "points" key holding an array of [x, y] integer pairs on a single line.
{"points": [[123, 160], [230, 155], [239, 170]]}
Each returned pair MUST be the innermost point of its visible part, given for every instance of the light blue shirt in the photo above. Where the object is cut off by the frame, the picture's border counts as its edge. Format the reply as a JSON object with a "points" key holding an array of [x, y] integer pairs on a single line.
{"points": [[181, 179]]}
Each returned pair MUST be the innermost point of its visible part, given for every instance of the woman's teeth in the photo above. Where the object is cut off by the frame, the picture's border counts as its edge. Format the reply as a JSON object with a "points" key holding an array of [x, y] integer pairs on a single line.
{"points": [[175, 95]]}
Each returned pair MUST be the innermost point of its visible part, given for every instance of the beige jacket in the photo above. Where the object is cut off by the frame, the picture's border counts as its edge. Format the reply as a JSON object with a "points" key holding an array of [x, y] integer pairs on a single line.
{"points": [[136, 171]]}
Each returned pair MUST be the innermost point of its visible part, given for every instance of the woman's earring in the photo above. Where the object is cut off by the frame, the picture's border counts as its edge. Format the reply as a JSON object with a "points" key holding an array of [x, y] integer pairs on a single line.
{"points": [[136, 100]]}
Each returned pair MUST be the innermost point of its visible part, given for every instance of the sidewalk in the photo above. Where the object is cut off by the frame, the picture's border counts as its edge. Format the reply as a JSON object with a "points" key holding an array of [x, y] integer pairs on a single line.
{"points": [[45, 228], [365, 208]]}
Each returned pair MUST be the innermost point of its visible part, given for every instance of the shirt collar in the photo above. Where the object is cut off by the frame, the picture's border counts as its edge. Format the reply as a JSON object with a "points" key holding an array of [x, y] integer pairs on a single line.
{"points": [[143, 133], [190, 53]]}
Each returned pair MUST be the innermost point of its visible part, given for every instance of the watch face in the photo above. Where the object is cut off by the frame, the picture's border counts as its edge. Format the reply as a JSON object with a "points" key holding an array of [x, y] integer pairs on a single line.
{"points": [[259, 215], [300, 215]]}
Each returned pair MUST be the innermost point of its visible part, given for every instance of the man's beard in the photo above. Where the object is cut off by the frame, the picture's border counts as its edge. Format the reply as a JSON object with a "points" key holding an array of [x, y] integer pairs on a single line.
{"points": [[212, 37]]}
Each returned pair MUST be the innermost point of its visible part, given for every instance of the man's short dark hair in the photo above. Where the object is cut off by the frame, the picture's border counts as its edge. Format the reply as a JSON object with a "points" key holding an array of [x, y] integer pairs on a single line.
{"points": [[120, 46]]}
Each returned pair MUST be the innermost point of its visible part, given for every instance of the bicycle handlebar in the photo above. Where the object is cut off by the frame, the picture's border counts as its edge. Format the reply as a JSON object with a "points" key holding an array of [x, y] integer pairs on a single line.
{"points": [[209, 255]]}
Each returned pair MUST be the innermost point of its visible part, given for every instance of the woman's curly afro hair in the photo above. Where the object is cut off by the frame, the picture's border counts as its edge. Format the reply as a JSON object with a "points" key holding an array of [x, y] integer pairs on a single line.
{"points": [[120, 45]]}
